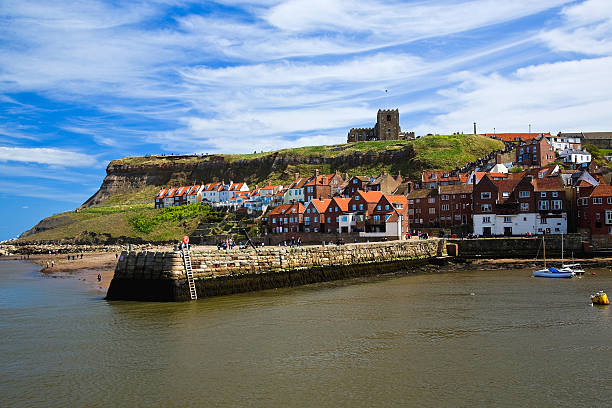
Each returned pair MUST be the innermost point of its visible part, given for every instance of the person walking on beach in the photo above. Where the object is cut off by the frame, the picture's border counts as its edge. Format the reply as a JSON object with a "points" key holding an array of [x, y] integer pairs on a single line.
{"points": [[99, 277], [52, 264]]}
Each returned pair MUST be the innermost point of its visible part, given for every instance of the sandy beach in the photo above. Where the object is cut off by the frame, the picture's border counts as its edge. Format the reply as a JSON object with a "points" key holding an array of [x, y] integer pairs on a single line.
{"points": [[85, 269]]}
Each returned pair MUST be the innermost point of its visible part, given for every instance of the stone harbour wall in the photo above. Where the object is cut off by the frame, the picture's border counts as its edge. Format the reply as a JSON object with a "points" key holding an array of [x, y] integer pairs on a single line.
{"points": [[160, 276], [520, 247]]}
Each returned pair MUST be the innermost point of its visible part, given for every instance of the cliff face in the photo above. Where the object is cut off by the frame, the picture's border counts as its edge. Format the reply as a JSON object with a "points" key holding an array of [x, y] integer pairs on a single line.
{"points": [[122, 177]]}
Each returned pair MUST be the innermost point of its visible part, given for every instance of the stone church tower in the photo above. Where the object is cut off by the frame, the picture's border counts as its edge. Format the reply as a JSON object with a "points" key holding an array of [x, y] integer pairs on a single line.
{"points": [[387, 124], [387, 128]]}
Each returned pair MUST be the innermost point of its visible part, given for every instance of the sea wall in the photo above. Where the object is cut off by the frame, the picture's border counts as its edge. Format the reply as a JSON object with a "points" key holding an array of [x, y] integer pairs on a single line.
{"points": [[160, 276], [520, 247]]}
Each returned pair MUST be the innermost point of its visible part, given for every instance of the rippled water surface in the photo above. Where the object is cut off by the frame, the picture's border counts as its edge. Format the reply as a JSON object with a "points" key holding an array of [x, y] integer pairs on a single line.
{"points": [[477, 338]]}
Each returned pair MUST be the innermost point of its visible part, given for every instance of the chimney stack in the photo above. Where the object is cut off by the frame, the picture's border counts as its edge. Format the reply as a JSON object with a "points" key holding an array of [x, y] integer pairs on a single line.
{"points": [[498, 159]]}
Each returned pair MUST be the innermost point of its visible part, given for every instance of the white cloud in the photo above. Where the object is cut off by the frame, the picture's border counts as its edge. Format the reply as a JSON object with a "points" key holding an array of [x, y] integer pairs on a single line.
{"points": [[562, 96], [49, 156], [586, 29]]}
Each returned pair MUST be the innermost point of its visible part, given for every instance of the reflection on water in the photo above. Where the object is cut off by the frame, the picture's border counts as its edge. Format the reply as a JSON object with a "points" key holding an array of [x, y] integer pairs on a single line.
{"points": [[472, 338]]}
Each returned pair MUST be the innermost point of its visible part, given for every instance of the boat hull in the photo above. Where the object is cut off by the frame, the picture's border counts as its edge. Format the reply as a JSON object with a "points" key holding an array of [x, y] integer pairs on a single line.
{"points": [[545, 273]]}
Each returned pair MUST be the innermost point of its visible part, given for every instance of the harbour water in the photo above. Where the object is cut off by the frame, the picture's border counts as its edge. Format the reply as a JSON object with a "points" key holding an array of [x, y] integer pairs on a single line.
{"points": [[469, 338]]}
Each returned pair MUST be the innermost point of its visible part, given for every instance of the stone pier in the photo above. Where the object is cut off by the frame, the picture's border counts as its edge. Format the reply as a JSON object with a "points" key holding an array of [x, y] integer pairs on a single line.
{"points": [[160, 276]]}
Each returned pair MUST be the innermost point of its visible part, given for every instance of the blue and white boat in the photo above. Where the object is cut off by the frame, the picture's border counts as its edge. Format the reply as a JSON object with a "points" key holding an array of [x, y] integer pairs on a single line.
{"points": [[552, 273]]}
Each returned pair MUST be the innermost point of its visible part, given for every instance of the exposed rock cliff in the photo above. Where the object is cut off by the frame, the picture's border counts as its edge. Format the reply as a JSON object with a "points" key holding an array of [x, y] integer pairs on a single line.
{"points": [[122, 176]]}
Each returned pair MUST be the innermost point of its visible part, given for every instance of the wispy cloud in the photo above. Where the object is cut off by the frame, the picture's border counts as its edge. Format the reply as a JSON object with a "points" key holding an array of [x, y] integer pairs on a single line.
{"points": [[49, 156]]}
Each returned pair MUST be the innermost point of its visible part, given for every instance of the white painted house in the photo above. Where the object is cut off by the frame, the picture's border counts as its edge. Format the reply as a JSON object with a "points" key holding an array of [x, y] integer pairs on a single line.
{"points": [[574, 156]]}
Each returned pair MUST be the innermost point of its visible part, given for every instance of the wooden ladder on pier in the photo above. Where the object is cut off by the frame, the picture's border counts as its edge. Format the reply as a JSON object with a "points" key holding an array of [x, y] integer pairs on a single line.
{"points": [[189, 272]]}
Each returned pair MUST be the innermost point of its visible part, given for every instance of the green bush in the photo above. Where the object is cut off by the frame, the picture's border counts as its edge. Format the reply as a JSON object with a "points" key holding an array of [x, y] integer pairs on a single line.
{"points": [[146, 224]]}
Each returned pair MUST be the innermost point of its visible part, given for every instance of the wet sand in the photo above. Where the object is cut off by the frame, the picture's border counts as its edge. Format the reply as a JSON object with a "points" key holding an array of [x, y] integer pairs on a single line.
{"points": [[85, 269]]}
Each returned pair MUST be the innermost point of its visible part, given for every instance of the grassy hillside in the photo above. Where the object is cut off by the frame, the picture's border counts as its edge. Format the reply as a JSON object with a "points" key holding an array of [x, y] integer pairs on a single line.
{"points": [[139, 221], [440, 152], [131, 214]]}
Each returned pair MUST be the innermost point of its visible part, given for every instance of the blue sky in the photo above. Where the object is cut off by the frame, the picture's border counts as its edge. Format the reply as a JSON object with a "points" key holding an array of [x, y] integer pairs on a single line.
{"points": [[82, 83]]}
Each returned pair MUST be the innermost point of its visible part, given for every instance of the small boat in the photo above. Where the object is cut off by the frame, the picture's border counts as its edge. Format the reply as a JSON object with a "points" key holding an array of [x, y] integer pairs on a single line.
{"points": [[553, 273], [600, 298], [575, 267]]}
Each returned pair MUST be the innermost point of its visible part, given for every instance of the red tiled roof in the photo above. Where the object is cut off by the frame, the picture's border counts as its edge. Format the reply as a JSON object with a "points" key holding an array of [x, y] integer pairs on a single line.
{"points": [[512, 137], [370, 196], [343, 202], [321, 205], [547, 184], [602, 190], [279, 209], [439, 176]]}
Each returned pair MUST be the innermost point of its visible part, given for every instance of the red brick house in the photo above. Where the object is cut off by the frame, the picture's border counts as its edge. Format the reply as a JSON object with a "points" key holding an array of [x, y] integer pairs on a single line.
{"points": [[317, 187], [516, 207], [286, 218], [595, 213], [337, 207], [436, 178], [314, 215], [361, 206], [538, 152], [355, 184], [455, 204], [423, 207], [390, 215]]}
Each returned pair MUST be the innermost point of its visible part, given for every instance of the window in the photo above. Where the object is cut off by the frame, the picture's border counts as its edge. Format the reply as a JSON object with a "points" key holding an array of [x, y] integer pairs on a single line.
{"points": [[354, 207], [556, 205], [376, 218], [316, 219], [378, 207], [543, 220], [543, 194], [485, 207], [524, 206], [386, 206], [505, 194], [431, 200], [486, 220], [543, 205], [462, 195], [273, 220], [597, 217], [507, 220], [445, 197], [524, 194], [432, 210], [354, 181], [445, 207], [356, 198], [597, 200], [361, 206], [485, 195], [306, 220], [609, 200], [555, 194], [418, 200]]}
